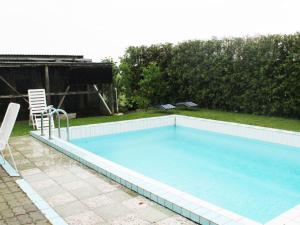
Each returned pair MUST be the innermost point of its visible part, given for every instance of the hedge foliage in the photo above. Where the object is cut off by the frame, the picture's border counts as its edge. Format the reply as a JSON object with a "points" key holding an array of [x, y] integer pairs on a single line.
{"points": [[259, 75]]}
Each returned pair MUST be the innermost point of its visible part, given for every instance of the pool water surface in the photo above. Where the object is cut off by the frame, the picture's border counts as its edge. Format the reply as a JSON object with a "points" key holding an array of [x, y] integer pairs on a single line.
{"points": [[256, 179]]}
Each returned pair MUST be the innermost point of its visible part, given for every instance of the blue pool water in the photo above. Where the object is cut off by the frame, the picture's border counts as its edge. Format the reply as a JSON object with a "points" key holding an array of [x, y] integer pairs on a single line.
{"points": [[256, 179]]}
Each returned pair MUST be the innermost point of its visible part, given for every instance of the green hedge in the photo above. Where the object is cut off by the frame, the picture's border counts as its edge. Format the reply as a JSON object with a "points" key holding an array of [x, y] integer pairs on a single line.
{"points": [[258, 75]]}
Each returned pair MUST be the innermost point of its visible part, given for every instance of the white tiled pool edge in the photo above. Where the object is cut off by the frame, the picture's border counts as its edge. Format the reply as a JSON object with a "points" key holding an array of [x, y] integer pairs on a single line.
{"points": [[40, 203], [290, 217], [8, 168], [184, 204], [248, 131]]}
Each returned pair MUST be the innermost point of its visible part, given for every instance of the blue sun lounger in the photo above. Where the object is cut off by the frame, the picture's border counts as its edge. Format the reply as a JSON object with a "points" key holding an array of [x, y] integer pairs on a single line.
{"points": [[167, 106], [187, 104]]}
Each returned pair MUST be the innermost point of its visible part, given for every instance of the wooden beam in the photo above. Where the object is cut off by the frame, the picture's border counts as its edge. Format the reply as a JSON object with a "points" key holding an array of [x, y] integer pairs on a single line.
{"points": [[13, 96], [47, 85], [72, 93], [116, 99], [52, 94], [14, 89], [63, 97], [111, 98], [102, 99]]}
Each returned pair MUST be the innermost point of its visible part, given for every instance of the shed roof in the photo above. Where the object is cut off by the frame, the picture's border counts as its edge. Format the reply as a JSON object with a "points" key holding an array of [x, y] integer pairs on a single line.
{"points": [[16, 60]]}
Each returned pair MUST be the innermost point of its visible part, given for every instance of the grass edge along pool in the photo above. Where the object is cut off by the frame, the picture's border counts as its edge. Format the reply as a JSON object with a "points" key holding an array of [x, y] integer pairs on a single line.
{"points": [[180, 202]]}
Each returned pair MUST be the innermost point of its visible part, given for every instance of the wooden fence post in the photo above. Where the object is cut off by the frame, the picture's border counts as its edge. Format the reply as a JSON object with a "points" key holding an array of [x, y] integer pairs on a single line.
{"points": [[47, 85]]}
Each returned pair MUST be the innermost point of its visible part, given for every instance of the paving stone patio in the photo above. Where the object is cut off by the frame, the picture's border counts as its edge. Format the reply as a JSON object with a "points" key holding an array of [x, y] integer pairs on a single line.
{"points": [[80, 195], [15, 207]]}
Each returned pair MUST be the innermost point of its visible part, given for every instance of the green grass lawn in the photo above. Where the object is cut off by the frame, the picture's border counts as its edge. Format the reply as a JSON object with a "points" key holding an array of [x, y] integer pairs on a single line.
{"points": [[22, 127]]}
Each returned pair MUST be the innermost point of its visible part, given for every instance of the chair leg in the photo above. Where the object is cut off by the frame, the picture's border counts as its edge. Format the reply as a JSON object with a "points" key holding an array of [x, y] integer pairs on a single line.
{"points": [[12, 158]]}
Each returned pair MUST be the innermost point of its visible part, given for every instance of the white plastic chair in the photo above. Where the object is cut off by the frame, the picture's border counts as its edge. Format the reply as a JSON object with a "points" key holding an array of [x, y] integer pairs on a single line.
{"points": [[37, 104], [7, 127]]}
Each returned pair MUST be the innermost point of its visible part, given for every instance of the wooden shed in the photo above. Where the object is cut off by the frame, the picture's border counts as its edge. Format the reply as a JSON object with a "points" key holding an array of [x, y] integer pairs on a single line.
{"points": [[70, 81]]}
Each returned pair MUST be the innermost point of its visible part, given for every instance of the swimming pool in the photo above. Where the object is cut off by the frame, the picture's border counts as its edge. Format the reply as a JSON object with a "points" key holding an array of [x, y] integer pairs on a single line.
{"points": [[255, 179]]}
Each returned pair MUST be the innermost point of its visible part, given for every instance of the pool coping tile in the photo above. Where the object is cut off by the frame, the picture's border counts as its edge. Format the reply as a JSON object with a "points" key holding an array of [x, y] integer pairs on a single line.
{"points": [[8, 168], [40, 203]]}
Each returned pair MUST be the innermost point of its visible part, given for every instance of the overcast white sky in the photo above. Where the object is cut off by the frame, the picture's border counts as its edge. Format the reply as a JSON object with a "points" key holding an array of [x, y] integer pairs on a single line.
{"points": [[99, 29]]}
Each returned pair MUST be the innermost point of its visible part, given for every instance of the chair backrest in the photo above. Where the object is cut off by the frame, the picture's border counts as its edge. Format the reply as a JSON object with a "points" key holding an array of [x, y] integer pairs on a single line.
{"points": [[9, 120], [37, 100]]}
